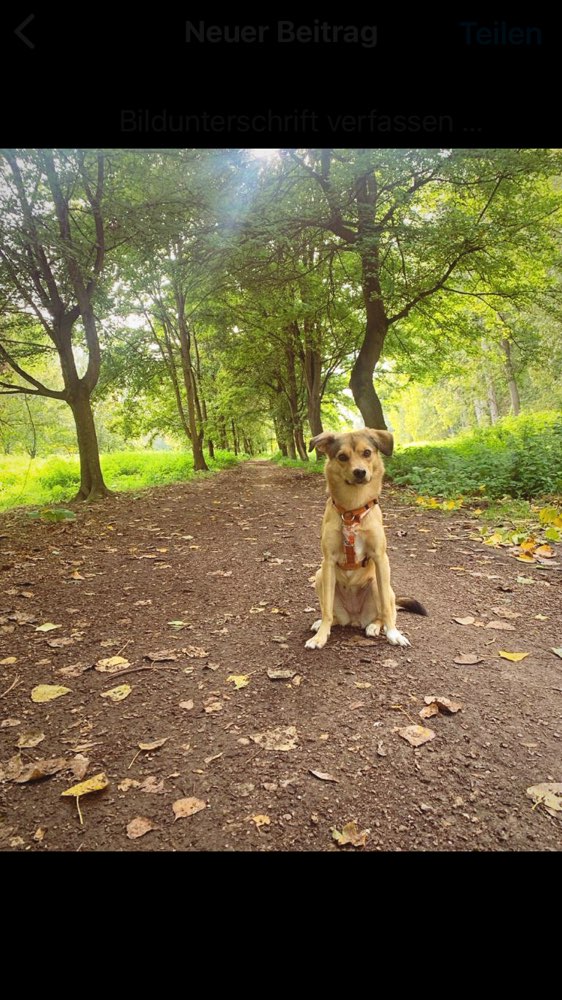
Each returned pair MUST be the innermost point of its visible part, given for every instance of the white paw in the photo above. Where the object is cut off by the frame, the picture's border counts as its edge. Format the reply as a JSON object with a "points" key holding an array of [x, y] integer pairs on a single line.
{"points": [[373, 629], [395, 637], [316, 625], [316, 643]]}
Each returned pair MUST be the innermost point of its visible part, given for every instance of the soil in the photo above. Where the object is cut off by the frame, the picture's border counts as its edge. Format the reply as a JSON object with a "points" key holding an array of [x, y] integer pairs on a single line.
{"points": [[231, 556]]}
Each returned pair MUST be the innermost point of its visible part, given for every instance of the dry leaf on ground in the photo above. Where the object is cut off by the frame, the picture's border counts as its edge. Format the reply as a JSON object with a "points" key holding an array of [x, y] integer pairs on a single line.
{"points": [[47, 627], [139, 826], [239, 680], [112, 663], [350, 835], [188, 807], [416, 736], [95, 784], [323, 775], [28, 740], [261, 820], [513, 657], [154, 744], [48, 692], [117, 693], [280, 675], [444, 704], [40, 769], [468, 620], [549, 796], [468, 659], [162, 655], [281, 738]]}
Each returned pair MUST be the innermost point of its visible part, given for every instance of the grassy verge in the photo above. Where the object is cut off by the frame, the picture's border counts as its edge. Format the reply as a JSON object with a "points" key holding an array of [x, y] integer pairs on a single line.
{"points": [[55, 480]]}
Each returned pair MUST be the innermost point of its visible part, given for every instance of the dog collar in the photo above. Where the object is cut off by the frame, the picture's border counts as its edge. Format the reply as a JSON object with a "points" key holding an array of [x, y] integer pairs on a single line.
{"points": [[351, 519]]}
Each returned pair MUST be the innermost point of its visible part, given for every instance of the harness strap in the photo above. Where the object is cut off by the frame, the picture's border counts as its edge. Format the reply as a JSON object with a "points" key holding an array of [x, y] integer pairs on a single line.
{"points": [[351, 519]]}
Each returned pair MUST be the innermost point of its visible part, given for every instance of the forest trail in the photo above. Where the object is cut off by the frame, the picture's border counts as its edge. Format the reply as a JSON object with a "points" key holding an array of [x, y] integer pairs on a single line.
{"points": [[228, 559]]}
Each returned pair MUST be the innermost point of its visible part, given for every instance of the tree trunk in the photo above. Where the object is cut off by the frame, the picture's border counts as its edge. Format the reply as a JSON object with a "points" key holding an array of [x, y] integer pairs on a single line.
{"points": [[361, 381], [300, 443], [235, 438], [293, 396], [479, 411], [92, 486], [223, 440], [199, 463], [510, 372], [211, 448]]}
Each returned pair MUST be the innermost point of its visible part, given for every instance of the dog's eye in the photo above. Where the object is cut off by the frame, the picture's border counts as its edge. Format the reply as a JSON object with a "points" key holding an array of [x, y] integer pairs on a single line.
{"points": [[367, 453], [343, 458]]}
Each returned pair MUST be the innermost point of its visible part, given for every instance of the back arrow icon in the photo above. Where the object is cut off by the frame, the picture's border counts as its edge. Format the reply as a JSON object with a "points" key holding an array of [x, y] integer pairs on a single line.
{"points": [[19, 33]]}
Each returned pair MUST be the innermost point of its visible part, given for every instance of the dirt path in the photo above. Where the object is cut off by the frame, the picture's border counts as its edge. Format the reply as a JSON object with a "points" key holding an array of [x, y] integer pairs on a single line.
{"points": [[231, 556]]}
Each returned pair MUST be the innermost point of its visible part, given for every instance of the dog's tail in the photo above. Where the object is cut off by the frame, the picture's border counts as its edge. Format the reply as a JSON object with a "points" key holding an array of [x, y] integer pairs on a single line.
{"points": [[409, 604]]}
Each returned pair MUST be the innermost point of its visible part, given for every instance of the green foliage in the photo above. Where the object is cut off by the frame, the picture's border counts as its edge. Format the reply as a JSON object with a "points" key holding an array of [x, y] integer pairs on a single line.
{"points": [[518, 457], [43, 481], [295, 463]]}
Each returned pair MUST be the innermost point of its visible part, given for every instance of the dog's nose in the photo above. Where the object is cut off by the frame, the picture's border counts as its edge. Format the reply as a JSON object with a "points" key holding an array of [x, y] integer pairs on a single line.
{"points": [[359, 474]]}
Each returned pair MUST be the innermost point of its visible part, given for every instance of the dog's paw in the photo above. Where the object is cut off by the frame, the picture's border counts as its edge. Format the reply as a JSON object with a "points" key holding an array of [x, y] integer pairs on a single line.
{"points": [[316, 625], [317, 642], [395, 637], [373, 629]]}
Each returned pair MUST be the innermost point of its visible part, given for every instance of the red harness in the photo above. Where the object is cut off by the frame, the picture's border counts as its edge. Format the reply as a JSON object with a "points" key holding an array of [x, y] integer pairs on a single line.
{"points": [[351, 519]]}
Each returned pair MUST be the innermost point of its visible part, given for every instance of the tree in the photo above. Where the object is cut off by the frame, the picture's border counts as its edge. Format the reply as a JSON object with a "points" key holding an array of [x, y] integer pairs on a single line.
{"points": [[424, 224], [54, 245]]}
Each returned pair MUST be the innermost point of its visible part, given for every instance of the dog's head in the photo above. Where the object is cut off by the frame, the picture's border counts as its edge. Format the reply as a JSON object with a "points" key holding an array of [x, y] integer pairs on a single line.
{"points": [[354, 459]]}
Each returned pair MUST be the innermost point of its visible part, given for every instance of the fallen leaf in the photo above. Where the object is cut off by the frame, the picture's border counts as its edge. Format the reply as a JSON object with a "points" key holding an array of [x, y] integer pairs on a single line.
{"points": [[416, 736], [95, 784], [514, 657], [59, 643], [139, 826], [213, 705], [209, 760], [541, 618], [444, 704], [79, 766], [7, 723], [546, 551], [117, 693], [429, 711], [47, 627], [162, 655], [40, 769], [261, 820], [549, 796], [363, 685], [127, 783], [524, 558], [281, 738], [323, 776], [152, 786], [506, 613], [111, 663], [28, 740], [239, 680], [187, 807], [154, 744], [186, 704], [48, 692], [469, 620], [39, 834], [468, 659], [8, 661], [280, 675], [195, 651], [350, 835], [557, 651]]}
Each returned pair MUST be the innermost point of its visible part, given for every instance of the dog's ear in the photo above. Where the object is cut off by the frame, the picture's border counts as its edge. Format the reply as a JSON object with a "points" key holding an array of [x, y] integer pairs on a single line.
{"points": [[383, 440], [323, 442]]}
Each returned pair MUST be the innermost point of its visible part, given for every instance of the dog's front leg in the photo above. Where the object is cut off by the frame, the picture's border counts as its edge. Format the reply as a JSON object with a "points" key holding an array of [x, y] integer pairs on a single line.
{"points": [[327, 590], [386, 600]]}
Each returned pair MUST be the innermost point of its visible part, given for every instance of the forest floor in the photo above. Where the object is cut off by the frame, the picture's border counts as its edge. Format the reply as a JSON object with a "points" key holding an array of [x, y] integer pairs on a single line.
{"points": [[228, 559]]}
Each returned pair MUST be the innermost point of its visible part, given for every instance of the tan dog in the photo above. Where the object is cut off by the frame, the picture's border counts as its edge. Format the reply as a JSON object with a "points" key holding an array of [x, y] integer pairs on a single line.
{"points": [[353, 582]]}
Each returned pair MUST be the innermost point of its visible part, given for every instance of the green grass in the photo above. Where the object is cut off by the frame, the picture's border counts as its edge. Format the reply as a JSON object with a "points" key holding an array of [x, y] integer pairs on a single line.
{"points": [[297, 463], [55, 480]]}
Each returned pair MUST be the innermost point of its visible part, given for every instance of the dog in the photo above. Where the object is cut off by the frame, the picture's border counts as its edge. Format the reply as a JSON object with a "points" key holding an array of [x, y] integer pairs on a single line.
{"points": [[353, 582]]}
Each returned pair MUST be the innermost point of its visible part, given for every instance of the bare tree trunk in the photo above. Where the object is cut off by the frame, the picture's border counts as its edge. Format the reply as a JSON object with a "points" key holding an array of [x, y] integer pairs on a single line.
{"points": [[293, 399], [510, 372], [234, 436], [92, 486], [199, 463], [479, 411]]}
